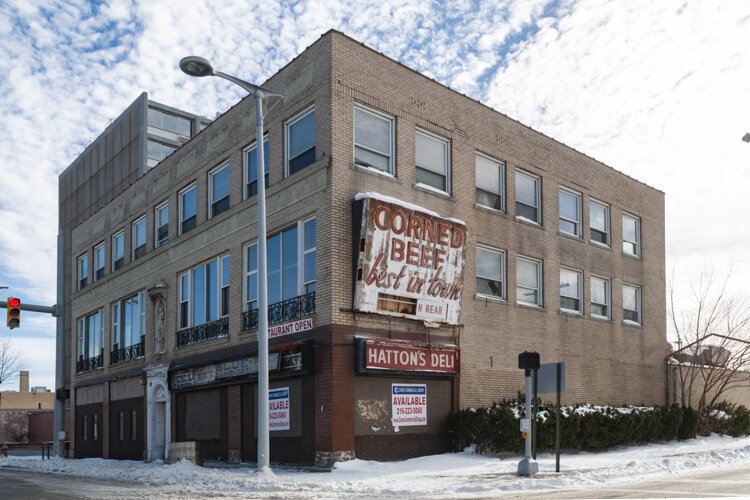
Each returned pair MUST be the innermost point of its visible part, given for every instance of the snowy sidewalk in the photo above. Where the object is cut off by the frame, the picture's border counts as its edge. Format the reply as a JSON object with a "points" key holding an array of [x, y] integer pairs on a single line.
{"points": [[458, 475]]}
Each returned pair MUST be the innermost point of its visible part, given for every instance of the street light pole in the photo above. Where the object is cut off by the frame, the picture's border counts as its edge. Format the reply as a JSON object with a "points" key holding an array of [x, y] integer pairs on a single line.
{"points": [[197, 66]]}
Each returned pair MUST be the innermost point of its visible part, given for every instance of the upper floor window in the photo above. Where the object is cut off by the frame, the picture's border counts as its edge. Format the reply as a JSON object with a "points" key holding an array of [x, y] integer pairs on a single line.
{"points": [[251, 168], [529, 281], [570, 212], [600, 297], [129, 321], [490, 175], [432, 161], [528, 196], [83, 271], [599, 222], [571, 290], [139, 238], [300, 141], [161, 224], [631, 304], [373, 140], [188, 209], [99, 260], [218, 189], [166, 121], [204, 293], [157, 151], [490, 272], [631, 235], [118, 250], [90, 330]]}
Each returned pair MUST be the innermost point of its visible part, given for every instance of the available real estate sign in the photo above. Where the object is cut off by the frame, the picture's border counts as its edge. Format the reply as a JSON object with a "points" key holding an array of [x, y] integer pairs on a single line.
{"points": [[278, 409], [408, 404], [410, 261]]}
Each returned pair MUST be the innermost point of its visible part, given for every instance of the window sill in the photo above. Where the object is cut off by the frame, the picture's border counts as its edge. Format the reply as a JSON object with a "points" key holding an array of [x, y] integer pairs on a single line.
{"points": [[534, 307], [600, 245], [529, 222], [490, 210], [600, 318], [490, 298], [374, 171], [429, 189], [568, 312], [631, 256], [570, 236], [631, 323]]}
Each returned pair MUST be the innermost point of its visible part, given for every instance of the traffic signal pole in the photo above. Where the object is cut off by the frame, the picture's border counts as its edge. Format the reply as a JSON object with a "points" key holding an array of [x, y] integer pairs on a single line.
{"points": [[25, 306]]}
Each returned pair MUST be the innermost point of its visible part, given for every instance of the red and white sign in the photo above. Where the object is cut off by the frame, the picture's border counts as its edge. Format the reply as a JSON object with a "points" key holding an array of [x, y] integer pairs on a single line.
{"points": [[408, 404], [408, 357], [432, 310], [278, 409], [298, 326]]}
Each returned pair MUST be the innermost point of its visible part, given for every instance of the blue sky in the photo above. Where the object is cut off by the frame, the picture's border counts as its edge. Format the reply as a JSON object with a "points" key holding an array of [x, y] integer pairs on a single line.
{"points": [[658, 90]]}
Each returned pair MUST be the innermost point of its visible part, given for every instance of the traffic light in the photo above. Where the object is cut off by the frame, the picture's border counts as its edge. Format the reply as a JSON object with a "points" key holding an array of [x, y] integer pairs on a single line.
{"points": [[13, 308]]}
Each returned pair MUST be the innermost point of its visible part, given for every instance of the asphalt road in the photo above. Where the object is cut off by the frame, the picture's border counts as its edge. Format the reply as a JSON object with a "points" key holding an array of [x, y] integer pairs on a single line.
{"points": [[21, 485]]}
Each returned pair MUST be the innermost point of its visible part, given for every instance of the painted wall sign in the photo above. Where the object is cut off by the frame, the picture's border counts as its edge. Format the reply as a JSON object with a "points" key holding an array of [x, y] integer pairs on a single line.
{"points": [[408, 357], [301, 325], [206, 374], [278, 409], [409, 404], [410, 262]]}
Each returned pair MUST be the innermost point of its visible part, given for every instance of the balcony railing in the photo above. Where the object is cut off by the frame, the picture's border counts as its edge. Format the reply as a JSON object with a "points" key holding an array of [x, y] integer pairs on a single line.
{"points": [[286, 310], [128, 353], [92, 363], [204, 332]]}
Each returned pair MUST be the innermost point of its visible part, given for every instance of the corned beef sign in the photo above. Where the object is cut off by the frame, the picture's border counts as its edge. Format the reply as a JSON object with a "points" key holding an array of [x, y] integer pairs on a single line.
{"points": [[403, 356], [411, 261]]}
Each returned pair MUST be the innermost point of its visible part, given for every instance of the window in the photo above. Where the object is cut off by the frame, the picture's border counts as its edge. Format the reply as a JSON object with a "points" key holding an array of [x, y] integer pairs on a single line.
{"points": [[490, 272], [171, 123], [433, 160], [251, 168], [218, 191], [96, 427], [631, 235], [90, 329], [161, 224], [527, 197], [129, 321], [490, 176], [139, 238], [529, 281], [133, 424], [118, 250], [291, 265], [188, 209], [570, 291], [204, 293], [157, 151], [373, 140], [83, 271], [300, 142], [631, 304], [99, 260], [85, 427], [599, 222], [570, 212], [600, 297], [120, 426]]}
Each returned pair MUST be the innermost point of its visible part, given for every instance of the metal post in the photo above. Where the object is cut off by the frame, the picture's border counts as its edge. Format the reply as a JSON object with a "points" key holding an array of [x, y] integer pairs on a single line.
{"points": [[528, 466], [557, 419], [534, 374], [59, 423]]}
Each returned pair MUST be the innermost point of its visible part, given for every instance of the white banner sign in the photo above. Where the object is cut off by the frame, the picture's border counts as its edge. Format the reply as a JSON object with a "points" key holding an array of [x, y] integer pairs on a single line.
{"points": [[409, 404], [288, 328], [278, 409]]}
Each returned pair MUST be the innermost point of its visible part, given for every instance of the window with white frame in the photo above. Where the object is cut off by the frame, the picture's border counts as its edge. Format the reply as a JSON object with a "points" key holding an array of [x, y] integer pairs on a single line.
{"points": [[99, 260], [204, 293], [600, 297], [528, 196], [251, 168], [218, 191], [300, 141], [90, 331], [571, 290], [570, 212], [490, 272], [161, 224], [373, 139], [118, 250], [129, 321], [188, 209], [631, 235], [139, 238], [631, 304], [490, 176], [432, 157], [599, 222], [291, 265], [529, 281], [83, 271]]}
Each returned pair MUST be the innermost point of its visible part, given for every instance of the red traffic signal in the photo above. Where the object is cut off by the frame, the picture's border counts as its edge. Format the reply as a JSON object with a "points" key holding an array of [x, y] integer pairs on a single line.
{"points": [[13, 308]]}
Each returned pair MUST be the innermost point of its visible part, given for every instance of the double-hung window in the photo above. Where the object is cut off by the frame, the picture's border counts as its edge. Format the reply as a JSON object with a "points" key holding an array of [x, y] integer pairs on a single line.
{"points": [[432, 157], [161, 224], [188, 208], [291, 265], [600, 297], [129, 321], [528, 196], [599, 222], [83, 271], [139, 238], [373, 140], [490, 272], [571, 291], [490, 175], [251, 168], [300, 141], [218, 191], [570, 212], [90, 330], [631, 235], [529, 281], [204, 293], [99, 260], [631, 304], [118, 250]]}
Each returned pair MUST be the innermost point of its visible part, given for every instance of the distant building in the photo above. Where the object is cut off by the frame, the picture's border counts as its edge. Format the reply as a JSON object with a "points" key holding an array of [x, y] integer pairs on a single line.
{"points": [[418, 241], [26, 416]]}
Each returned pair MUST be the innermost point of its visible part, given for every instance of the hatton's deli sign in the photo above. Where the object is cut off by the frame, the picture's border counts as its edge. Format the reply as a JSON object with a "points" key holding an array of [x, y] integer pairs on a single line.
{"points": [[410, 261], [403, 356]]}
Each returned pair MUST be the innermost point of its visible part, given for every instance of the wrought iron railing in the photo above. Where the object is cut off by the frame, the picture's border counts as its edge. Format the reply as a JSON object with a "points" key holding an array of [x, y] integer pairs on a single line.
{"points": [[286, 310], [128, 353], [204, 332], [91, 363]]}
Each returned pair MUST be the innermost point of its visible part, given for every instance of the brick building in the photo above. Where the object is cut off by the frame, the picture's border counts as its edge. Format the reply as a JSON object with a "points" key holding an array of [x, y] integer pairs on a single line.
{"points": [[418, 241]]}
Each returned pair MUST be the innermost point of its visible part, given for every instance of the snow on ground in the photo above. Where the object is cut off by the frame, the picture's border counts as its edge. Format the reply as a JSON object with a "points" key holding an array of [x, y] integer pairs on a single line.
{"points": [[451, 475]]}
